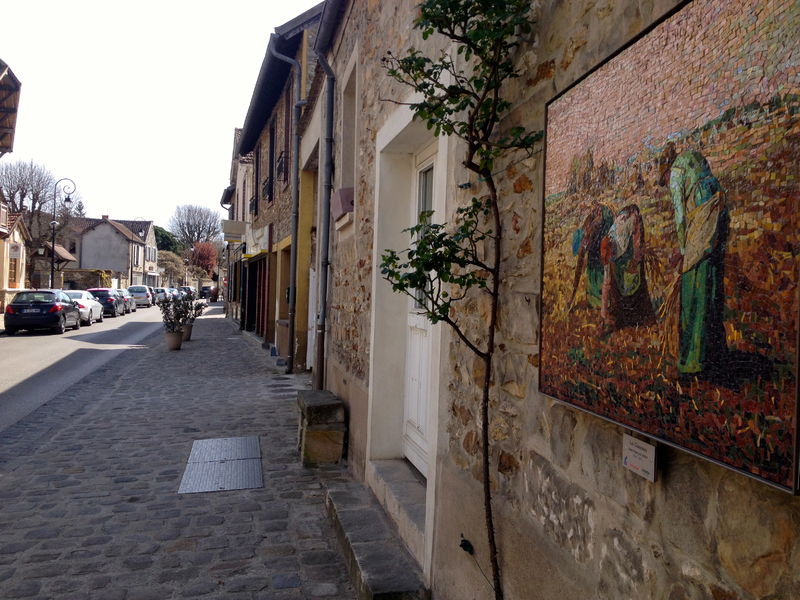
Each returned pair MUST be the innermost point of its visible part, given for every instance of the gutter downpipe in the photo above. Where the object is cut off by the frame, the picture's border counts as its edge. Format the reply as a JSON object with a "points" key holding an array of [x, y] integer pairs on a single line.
{"points": [[325, 217], [244, 283], [295, 197]]}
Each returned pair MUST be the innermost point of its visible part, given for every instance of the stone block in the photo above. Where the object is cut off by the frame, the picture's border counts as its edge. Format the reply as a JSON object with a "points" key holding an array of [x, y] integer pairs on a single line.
{"points": [[322, 430], [320, 407], [322, 444]]}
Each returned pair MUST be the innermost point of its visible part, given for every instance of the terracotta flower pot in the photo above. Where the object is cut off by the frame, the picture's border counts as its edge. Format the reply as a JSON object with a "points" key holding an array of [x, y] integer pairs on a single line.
{"points": [[187, 332], [174, 339]]}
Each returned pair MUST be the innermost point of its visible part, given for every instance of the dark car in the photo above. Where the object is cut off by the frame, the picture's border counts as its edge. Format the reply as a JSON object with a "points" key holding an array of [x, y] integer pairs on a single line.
{"points": [[205, 291], [130, 301], [113, 303], [41, 309]]}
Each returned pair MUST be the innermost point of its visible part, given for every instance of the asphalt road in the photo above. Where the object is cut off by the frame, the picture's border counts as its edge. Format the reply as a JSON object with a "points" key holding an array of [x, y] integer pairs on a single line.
{"points": [[37, 366]]}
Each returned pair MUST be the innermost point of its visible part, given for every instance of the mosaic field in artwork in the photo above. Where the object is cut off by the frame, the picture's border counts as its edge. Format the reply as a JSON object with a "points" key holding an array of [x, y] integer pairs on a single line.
{"points": [[671, 238]]}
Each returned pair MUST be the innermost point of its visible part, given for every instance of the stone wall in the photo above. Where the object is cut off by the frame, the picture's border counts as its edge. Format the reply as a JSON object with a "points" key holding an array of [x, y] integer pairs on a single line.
{"points": [[277, 213], [571, 518], [350, 303], [571, 521]]}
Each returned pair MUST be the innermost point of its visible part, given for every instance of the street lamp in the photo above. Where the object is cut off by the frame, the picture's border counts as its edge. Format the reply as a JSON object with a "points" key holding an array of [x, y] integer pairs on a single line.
{"points": [[68, 188]]}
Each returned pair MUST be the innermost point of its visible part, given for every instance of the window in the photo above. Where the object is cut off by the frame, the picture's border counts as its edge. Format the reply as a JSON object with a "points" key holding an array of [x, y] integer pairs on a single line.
{"points": [[12, 272], [254, 201], [34, 297], [287, 131], [269, 185], [349, 131], [424, 204]]}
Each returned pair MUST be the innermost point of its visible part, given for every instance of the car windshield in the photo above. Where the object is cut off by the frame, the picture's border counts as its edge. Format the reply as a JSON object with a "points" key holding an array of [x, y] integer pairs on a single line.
{"points": [[75, 295], [137, 288], [100, 293], [34, 297]]}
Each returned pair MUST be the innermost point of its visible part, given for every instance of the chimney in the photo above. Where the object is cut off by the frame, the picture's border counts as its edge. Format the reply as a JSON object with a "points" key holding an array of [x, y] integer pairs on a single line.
{"points": [[105, 217]]}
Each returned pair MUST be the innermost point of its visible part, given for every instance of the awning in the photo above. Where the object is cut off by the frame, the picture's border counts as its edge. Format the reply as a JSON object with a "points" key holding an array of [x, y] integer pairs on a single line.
{"points": [[61, 253], [9, 101]]}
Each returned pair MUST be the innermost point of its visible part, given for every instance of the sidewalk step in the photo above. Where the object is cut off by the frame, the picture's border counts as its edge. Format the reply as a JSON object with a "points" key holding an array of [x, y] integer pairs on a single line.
{"points": [[380, 566]]}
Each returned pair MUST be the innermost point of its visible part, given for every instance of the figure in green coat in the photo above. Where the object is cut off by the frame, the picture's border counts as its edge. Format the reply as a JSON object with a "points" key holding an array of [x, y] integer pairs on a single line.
{"points": [[701, 223]]}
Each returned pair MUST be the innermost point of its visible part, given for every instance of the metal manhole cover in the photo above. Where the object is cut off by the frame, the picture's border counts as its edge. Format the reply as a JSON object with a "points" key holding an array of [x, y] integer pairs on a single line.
{"points": [[225, 449], [221, 476], [223, 464]]}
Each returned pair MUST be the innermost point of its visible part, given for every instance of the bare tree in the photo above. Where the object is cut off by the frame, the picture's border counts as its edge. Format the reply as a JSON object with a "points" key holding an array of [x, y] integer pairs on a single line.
{"points": [[28, 189], [192, 224], [25, 186]]}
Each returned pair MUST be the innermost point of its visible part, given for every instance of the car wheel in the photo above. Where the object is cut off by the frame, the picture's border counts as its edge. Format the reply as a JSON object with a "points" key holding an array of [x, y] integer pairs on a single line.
{"points": [[77, 323], [134, 308], [61, 327], [90, 319], [100, 318]]}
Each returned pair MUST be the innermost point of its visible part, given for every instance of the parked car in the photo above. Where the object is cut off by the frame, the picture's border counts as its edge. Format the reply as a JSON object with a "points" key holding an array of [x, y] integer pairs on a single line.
{"points": [[130, 302], [152, 293], [113, 303], [160, 294], [188, 290], [174, 292], [141, 295], [41, 309], [91, 309]]}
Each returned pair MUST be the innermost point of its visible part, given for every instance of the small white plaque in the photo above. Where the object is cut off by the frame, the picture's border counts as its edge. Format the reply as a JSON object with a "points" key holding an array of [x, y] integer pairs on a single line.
{"points": [[639, 457]]}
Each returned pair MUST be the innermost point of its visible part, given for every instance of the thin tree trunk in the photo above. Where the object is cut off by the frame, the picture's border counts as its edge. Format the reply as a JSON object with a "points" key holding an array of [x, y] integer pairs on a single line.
{"points": [[487, 380]]}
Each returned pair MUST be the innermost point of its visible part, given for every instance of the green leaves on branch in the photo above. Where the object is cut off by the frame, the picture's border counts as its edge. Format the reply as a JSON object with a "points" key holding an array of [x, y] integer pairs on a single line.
{"points": [[441, 266], [465, 100]]}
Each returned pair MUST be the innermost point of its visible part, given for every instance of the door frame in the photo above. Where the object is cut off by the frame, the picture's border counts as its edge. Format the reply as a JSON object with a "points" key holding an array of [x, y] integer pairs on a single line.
{"points": [[398, 142]]}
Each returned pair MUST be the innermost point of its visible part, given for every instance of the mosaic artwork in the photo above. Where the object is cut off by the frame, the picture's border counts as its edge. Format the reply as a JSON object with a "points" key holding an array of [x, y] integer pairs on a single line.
{"points": [[671, 238]]}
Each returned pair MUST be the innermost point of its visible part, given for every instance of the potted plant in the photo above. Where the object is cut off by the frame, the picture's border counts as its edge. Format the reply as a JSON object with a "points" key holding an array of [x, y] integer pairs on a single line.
{"points": [[174, 315], [193, 310]]}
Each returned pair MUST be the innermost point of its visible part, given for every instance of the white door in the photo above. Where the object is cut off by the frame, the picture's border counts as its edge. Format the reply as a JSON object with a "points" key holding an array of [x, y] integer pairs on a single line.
{"points": [[418, 348]]}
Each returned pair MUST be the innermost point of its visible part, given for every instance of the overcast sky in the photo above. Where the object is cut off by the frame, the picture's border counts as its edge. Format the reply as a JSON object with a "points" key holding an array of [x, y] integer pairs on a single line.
{"points": [[137, 101]]}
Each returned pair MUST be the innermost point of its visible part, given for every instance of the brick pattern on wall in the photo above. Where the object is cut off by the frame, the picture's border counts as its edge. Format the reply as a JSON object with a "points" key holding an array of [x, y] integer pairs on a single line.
{"points": [[660, 87]]}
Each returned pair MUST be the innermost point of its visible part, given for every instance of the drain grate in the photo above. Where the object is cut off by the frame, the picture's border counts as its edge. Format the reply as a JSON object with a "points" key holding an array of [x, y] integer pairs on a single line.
{"points": [[223, 464]]}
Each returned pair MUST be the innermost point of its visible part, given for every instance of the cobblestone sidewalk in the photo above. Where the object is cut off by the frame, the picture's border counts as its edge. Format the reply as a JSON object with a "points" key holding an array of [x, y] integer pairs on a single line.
{"points": [[88, 483]]}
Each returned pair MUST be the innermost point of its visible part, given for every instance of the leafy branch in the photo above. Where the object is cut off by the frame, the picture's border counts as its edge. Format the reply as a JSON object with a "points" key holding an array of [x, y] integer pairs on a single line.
{"points": [[462, 95]]}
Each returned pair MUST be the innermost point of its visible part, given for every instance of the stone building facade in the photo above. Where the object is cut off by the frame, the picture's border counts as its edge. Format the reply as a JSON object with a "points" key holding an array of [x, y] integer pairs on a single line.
{"points": [[268, 136], [572, 522], [13, 254]]}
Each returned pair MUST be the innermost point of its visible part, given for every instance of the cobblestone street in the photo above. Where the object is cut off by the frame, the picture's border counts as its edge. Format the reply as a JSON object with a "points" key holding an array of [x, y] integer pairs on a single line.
{"points": [[88, 483]]}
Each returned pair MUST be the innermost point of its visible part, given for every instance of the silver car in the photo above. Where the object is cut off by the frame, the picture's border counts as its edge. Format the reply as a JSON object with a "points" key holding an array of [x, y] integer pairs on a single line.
{"points": [[91, 310], [141, 294]]}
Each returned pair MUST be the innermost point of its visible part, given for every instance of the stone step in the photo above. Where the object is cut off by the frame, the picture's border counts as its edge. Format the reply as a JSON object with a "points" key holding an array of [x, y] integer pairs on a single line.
{"points": [[380, 566], [401, 492]]}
